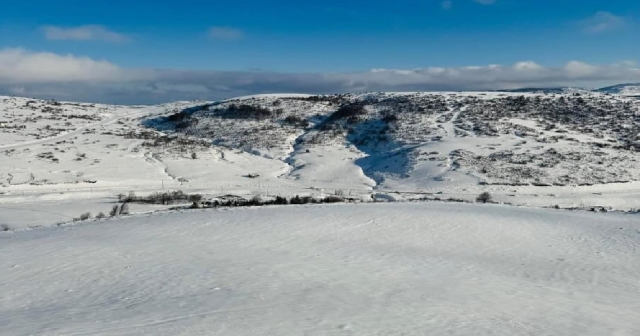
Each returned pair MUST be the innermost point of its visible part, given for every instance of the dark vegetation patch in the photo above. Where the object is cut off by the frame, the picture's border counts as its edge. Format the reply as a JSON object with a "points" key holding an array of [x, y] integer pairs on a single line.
{"points": [[245, 111], [198, 201], [347, 111], [296, 121]]}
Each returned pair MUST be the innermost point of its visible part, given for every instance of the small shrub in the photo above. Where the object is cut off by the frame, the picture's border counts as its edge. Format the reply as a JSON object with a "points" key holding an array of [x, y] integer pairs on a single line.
{"points": [[245, 111], [100, 215], [4, 227], [85, 216], [194, 156], [296, 200], [124, 209], [332, 199], [280, 200], [114, 211], [255, 200], [195, 199], [485, 197], [352, 110], [178, 116], [157, 198], [389, 118], [296, 121]]}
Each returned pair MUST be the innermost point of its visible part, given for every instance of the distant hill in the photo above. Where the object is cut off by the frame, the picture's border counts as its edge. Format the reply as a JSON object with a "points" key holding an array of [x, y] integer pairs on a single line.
{"points": [[629, 89], [622, 89], [558, 90]]}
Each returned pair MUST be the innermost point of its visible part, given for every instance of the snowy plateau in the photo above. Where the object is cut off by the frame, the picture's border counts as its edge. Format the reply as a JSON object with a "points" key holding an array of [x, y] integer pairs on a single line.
{"points": [[406, 254]]}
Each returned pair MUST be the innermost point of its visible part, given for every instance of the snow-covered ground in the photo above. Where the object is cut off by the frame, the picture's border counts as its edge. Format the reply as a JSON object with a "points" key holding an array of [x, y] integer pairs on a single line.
{"points": [[364, 269], [354, 269], [570, 150]]}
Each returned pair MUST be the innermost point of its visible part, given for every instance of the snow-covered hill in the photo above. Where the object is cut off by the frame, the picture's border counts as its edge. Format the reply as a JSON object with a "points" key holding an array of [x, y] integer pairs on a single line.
{"points": [[575, 150], [378, 269], [548, 90], [495, 139], [623, 89], [413, 268]]}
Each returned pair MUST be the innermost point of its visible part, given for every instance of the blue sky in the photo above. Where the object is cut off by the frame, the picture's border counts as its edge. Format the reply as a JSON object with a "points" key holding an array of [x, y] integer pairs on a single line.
{"points": [[288, 38]]}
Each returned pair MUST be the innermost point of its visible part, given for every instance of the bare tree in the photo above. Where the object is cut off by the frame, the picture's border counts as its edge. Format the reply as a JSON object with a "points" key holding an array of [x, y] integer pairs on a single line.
{"points": [[114, 211], [124, 209]]}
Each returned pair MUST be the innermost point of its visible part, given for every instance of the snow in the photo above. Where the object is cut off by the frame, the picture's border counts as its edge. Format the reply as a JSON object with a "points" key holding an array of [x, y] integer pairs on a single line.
{"points": [[59, 160], [623, 89], [271, 95], [365, 269], [354, 269]]}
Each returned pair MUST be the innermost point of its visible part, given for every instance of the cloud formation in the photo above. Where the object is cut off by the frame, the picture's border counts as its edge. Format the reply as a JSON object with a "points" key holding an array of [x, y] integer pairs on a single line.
{"points": [[486, 2], [25, 67], [68, 77], [83, 33], [226, 33], [448, 4], [602, 22]]}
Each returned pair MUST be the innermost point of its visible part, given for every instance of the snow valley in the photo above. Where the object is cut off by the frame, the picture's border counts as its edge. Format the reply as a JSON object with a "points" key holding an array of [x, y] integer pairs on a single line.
{"points": [[572, 149], [125, 220]]}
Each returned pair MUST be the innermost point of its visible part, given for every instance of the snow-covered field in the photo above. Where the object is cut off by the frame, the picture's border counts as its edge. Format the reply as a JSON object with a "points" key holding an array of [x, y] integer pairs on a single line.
{"points": [[364, 269], [577, 149], [421, 268]]}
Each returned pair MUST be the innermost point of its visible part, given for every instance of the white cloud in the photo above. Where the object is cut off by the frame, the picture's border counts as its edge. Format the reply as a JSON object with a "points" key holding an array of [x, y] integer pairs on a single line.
{"points": [[448, 4], [578, 69], [83, 33], [226, 33], [602, 22], [48, 75], [526, 66], [486, 2], [21, 66]]}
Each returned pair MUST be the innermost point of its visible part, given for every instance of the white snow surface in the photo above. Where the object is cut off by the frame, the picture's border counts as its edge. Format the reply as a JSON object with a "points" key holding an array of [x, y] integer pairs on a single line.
{"points": [[365, 269], [61, 159]]}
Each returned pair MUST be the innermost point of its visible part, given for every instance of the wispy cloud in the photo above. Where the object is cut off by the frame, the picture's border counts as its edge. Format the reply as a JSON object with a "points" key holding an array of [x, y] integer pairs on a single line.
{"points": [[49, 75], [486, 2], [602, 22], [83, 33], [448, 4], [226, 33]]}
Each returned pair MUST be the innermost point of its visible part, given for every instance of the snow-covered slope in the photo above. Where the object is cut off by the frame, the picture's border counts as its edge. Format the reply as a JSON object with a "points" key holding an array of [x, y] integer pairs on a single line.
{"points": [[377, 269], [433, 142], [61, 159], [496, 138], [548, 90], [623, 89]]}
